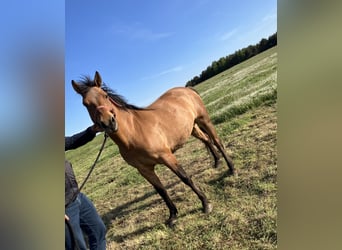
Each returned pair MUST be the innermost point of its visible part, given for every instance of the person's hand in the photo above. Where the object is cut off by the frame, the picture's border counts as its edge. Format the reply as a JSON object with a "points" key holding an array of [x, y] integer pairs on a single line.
{"points": [[96, 128], [66, 217]]}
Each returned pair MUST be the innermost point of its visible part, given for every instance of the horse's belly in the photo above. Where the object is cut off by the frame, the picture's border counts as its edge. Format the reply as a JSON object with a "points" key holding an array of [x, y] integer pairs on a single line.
{"points": [[139, 158]]}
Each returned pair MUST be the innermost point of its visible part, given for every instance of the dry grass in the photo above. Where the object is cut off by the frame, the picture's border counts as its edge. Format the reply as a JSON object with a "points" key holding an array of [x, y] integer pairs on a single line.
{"points": [[245, 211]]}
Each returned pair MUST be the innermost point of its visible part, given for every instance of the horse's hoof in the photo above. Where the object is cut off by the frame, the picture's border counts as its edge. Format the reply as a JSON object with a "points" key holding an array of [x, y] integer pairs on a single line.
{"points": [[232, 172], [217, 164], [208, 209], [171, 222]]}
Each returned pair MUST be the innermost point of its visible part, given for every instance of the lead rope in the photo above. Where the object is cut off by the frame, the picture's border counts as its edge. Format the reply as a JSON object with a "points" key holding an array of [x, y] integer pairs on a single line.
{"points": [[73, 239], [93, 166]]}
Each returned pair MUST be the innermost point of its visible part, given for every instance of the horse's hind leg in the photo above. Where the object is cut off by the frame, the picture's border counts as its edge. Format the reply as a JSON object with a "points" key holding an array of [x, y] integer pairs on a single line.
{"points": [[199, 134], [149, 174], [171, 162], [206, 125]]}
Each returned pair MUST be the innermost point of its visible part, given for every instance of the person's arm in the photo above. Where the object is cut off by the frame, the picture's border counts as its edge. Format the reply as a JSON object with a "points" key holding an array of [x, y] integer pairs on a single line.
{"points": [[79, 139]]}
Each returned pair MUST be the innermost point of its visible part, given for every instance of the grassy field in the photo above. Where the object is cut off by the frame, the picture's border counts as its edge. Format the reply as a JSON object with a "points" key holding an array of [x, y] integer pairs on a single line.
{"points": [[242, 103]]}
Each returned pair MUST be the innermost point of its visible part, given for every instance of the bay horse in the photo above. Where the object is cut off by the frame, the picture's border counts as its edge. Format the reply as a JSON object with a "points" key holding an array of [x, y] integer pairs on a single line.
{"points": [[149, 136]]}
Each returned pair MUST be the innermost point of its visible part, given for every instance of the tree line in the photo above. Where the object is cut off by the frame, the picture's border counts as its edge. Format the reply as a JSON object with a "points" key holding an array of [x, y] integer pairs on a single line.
{"points": [[231, 60]]}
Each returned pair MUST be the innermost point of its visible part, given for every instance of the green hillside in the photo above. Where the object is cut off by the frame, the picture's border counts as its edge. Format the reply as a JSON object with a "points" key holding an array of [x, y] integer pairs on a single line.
{"points": [[242, 103]]}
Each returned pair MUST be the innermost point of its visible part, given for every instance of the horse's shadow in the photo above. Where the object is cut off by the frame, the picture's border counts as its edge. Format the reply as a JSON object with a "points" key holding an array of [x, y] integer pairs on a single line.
{"points": [[219, 181], [129, 208], [121, 238], [124, 209]]}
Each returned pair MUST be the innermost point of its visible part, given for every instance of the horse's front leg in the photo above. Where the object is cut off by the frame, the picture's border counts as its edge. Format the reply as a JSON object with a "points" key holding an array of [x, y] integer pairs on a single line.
{"points": [[149, 174], [171, 162]]}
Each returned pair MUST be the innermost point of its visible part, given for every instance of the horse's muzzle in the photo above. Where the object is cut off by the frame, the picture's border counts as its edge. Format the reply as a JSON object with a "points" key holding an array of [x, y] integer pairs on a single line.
{"points": [[112, 126]]}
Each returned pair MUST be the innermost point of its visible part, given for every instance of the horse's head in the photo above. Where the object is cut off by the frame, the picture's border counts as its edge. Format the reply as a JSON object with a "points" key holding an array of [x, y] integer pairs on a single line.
{"points": [[98, 103]]}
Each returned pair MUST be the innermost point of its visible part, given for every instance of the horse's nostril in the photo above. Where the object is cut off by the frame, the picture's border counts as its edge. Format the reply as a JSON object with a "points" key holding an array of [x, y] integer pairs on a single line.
{"points": [[113, 120]]}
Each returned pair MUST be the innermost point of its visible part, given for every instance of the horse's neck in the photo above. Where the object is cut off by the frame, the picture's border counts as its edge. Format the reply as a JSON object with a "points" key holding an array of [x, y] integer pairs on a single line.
{"points": [[123, 136]]}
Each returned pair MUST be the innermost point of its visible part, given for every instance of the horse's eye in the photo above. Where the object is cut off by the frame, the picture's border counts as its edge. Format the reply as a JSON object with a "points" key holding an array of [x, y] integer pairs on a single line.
{"points": [[107, 96]]}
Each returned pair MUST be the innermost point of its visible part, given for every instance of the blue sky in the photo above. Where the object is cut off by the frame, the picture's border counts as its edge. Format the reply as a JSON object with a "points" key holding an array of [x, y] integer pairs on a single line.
{"points": [[143, 48]]}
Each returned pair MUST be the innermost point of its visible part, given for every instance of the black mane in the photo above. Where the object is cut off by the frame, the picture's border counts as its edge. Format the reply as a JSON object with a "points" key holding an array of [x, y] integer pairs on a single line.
{"points": [[87, 82]]}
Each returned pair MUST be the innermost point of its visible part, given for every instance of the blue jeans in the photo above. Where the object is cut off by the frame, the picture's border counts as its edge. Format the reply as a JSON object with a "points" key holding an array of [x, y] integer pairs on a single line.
{"points": [[84, 218]]}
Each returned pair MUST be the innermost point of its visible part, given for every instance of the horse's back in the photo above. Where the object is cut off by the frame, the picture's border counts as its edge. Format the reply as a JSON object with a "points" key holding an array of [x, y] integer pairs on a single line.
{"points": [[178, 107], [178, 96]]}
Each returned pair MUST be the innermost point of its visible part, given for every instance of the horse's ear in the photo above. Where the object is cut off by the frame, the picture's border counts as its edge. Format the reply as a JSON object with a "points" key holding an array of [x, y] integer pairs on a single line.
{"points": [[76, 86], [98, 79]]}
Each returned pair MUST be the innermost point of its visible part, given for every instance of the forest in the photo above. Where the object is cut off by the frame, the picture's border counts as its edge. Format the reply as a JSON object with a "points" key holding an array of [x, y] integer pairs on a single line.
{"points": [[231, 60]]}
